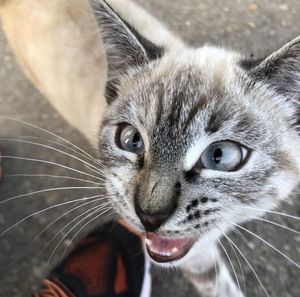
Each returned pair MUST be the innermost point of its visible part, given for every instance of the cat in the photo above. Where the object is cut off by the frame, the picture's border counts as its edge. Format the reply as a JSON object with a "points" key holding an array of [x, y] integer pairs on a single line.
{"points": [[194, 142]]}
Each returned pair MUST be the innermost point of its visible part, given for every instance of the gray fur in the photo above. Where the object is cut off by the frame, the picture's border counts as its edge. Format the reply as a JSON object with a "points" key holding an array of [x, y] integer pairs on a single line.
{"points": [[196, 98], [280, 70]]}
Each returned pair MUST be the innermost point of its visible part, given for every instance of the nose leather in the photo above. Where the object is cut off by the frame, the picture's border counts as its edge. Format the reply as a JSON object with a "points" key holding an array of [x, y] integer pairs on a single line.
{"points": [[152, 221]]}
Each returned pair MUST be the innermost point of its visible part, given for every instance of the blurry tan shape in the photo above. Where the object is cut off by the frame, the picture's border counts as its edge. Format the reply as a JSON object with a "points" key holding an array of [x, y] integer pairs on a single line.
{"points": [[59, 47], [253, 7], [147, 25]]}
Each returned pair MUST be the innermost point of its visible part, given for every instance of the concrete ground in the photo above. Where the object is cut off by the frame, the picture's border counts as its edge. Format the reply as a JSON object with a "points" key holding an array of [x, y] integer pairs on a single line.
{"points": [[241, 24]]}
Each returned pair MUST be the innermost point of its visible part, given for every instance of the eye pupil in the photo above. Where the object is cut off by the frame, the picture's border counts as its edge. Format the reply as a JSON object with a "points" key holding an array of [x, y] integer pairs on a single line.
{"points": [[218, 155], [136, 140]]}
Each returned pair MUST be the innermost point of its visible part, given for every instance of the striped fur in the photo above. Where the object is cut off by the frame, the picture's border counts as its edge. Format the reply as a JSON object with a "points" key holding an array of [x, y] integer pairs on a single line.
{"points": [[181, 102]]}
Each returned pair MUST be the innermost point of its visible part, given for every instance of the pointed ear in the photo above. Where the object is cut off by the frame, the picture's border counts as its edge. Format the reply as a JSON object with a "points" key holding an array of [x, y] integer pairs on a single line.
{"points": [[281, 70], [125, 47]]}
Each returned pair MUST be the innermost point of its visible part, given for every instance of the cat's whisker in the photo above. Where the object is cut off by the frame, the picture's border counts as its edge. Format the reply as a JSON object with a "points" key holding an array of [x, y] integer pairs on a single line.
{"points": [[231, 264], [90, 166], [52, 163], [47, 132], [248, 263], [47, 209], [270, 245], [276, 224], [95, 161], [240, 265], [51, 176], [89, 212], [71, 222], [272, 212], [244, 239], [81, 228], [215, 257], [217, 276], [99, 172], [65, 214], [46, 191], [98, 208]]}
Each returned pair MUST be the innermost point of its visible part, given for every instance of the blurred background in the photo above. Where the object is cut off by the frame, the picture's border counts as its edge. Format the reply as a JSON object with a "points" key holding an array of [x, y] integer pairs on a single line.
{"points": [[26, 253]]}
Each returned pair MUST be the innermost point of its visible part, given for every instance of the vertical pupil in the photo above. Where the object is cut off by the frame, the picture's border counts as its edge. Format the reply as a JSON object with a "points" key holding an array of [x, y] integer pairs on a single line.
{"points": [[136, 139], [217, 157]]}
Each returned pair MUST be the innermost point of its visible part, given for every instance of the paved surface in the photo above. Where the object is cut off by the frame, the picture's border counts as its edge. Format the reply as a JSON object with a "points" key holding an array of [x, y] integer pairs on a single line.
{"points": [[239, 24]]}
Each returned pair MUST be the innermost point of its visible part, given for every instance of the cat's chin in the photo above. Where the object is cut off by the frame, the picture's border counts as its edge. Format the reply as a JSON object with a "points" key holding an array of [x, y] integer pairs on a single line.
{"points": [[166, 249]]}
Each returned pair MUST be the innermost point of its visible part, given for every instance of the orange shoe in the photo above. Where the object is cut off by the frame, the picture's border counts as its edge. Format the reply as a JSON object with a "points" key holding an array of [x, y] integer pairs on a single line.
{"points": [[108, 263]]}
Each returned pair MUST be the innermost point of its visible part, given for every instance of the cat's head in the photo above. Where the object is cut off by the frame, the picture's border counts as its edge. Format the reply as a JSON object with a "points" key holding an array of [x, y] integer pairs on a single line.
{"points": [[195, 142]]}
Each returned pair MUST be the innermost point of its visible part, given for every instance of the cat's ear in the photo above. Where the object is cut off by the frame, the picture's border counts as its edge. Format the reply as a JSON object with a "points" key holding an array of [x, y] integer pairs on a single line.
{"points": [[125, 47], [281, 70]]}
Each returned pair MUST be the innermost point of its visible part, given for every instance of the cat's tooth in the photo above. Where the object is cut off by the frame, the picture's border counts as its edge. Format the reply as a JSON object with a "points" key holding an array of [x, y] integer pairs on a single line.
{"points": [[148, 242], [174, 250]]}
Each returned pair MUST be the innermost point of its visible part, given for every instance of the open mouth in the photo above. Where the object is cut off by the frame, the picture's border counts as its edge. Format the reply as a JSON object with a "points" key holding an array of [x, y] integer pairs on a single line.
{"points": [[164, 249]]}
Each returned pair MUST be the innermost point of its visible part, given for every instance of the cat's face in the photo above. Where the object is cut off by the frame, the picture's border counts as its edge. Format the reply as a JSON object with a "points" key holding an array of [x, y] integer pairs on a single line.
{"points": [[192, 145], [195, 143]]}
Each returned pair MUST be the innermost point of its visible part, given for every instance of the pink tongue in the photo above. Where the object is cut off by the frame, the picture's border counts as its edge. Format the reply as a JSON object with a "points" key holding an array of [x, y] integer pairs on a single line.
{"points": [[163, 249]]}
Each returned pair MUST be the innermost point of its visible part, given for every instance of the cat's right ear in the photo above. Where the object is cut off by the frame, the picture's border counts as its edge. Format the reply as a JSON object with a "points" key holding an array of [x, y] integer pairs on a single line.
{"points": [[280, 71], [125, 47]]}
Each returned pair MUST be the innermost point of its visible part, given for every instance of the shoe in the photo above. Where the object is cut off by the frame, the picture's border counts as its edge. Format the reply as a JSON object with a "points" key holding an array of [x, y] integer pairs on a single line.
{"points": [[109, 262]]}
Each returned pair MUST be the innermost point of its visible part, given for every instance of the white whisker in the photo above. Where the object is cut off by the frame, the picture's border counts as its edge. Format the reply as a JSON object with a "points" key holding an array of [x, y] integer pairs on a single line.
{"points": [[90, 166], [64, 146], [214, 256], [245, 240], [270, 245], [248, 263], [273, 212], [81, 228], [52, 163], [51, 176], [276, 224], [98, 208], [72, 221], [46, 209], [231, 264], [45, 191], [47, 132], [240, 265], [65, 214]]}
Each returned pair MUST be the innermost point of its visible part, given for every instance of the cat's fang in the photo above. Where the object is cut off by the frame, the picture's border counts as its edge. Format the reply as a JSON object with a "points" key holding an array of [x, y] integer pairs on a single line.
{"points": [[163, 249]]}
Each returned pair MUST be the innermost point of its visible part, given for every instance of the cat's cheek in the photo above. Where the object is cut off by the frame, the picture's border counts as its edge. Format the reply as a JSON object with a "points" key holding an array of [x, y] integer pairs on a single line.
{"points": [[285, 183], [115, 185]]}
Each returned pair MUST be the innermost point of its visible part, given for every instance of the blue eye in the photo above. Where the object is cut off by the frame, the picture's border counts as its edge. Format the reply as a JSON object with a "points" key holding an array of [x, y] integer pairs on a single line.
{"points": [[224, 156], [128, 138]]}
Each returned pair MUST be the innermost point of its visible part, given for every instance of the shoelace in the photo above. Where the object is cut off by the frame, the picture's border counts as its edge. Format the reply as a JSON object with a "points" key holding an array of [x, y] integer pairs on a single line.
{"points": [[51, 290]]}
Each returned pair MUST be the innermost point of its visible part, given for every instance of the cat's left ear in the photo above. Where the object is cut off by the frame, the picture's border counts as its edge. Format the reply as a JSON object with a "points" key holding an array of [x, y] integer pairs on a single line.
{"points": [[125, 47], [281, 70]]}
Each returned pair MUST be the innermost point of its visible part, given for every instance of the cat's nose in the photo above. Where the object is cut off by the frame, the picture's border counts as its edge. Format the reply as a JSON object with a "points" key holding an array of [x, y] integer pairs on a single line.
{"points": [[152, 221]]}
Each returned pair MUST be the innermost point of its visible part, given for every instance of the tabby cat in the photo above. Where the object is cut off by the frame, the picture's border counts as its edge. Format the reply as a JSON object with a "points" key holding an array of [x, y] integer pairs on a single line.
{"points": [[194, 142]]}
